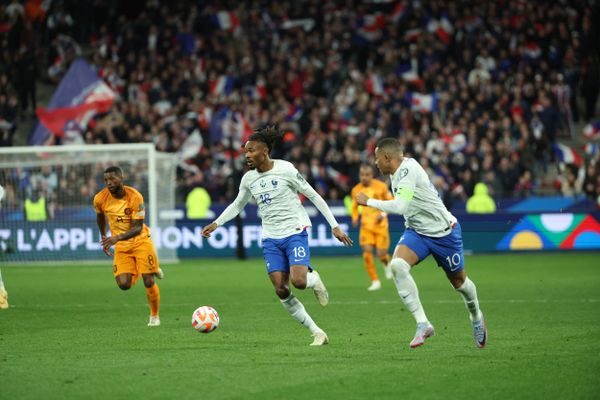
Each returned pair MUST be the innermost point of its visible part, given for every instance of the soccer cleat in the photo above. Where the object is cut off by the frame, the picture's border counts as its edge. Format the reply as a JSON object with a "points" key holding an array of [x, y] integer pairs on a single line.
{"points": [[160, 274], [154, 320], [375, 285], [424, 331], [479, 332], [3, 299], [320, 290], [321, 339], [388, 272]]}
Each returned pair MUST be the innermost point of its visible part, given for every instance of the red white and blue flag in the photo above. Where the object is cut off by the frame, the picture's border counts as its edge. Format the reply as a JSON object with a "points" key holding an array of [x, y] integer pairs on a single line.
{"points": [[80, 95], [442, 28], [369, 26], [567, 154], [374, 85], [227, 21], [592, 130], [532, 50], [424, 103], [399, 12], [223, 85], [590, 149]]}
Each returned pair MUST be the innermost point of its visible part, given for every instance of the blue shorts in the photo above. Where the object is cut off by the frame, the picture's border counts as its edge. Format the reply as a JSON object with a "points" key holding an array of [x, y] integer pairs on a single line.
{"points": [[280, 254], [447, 250]]}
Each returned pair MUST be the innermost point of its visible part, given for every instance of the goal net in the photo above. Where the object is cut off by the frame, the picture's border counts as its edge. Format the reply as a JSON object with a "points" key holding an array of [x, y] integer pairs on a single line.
{"points": [[47, 213]]}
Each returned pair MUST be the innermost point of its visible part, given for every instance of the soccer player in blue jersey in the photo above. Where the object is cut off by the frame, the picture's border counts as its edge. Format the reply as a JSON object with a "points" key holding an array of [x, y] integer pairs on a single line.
{"points": [[275, 185], [430, 229]]}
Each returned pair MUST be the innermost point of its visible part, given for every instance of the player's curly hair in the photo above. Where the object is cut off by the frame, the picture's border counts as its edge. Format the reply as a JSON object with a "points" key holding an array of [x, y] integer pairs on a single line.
{"points": [[268, 135]]}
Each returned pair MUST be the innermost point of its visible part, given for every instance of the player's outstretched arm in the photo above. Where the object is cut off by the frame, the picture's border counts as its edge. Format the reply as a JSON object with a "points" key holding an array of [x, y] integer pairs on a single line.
{"points": [[323, 208], [395, 206], [230, 212]]}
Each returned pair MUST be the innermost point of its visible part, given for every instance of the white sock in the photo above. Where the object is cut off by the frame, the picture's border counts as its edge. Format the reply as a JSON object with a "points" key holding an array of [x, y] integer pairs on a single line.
{"points": [[468, 291], [1, 281], [311, 280], [407, 289], [298, 312]]}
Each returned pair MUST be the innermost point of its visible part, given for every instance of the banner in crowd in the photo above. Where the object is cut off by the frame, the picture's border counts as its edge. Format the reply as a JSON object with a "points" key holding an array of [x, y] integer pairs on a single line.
{"points": [[57, 241]]}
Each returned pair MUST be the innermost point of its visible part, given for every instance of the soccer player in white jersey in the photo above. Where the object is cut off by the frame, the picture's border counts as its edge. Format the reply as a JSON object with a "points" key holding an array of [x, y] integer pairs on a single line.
{"points": [[430, 229], [275, 185], [3, 292]]}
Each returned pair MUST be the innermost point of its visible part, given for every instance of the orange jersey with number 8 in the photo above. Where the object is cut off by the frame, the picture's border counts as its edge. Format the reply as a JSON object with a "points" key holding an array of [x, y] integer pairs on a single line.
{"points": [[120, 213]]}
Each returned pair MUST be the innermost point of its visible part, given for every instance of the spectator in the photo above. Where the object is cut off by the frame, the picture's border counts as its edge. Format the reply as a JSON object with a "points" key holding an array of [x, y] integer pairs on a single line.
{"points": [[481, 202]]}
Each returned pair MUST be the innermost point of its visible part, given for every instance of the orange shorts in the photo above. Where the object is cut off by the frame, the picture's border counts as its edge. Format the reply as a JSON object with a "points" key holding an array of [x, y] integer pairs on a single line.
{"points": [[381, 240], [140, 259]]}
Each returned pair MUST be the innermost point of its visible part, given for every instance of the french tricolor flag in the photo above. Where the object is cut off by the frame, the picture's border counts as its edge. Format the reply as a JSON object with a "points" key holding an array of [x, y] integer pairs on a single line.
{"points": [[399, 12], [258, 91], [242, 127], [592, 130], [227, 21], [442, 28], [590, 149], [223, 85], [408, 74], [374, 85], [424, 103], [369, 26], [567, 154]]}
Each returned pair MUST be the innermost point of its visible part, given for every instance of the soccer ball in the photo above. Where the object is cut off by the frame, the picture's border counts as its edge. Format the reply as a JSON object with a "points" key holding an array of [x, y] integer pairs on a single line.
{"points": [[205, 319]]}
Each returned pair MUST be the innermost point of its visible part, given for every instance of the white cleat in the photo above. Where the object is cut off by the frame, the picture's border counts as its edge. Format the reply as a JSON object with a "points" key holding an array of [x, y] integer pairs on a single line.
{"points": [[388, 272], [154, 320], [320, 290], [321, 339], [3, 299], [424, 330], [375, 285], [160, 274]]}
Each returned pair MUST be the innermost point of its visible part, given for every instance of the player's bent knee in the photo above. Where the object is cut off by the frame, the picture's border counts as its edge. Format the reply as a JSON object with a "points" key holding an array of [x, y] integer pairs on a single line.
{"points": [[124, 285], [400, 268], [299, 282], [148, 280], [282, 292]]}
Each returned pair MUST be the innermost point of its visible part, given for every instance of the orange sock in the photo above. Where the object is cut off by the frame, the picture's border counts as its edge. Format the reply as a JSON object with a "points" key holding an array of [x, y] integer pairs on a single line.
{"points": [[385, 259], [370, 266], [153, 294]]}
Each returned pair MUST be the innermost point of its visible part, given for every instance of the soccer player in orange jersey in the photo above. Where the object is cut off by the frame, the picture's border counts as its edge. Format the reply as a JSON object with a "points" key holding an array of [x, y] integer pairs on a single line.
{"points": [[374, 231], [123, 206]]}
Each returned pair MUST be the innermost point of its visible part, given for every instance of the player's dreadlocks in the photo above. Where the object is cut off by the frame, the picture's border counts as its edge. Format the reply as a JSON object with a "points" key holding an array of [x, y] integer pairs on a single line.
{"points": [[268, 135]]}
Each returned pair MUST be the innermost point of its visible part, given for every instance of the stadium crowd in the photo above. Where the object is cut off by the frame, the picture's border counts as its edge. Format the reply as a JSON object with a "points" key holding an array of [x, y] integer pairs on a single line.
{"points": [[476, 91]]}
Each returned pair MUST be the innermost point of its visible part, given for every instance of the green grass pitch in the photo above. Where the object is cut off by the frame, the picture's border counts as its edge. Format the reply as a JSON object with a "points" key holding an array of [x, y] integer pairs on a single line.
{"points": [[71, 333]]}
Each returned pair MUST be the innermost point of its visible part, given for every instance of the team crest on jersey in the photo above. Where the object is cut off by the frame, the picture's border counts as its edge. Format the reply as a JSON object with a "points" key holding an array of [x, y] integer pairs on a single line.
{"points": [[403, 172], [274, 183], [128, 211], [263, 184]]}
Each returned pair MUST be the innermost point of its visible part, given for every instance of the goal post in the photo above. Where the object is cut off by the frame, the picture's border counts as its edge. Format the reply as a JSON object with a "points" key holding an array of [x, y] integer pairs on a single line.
{"points": [[47, 213]]}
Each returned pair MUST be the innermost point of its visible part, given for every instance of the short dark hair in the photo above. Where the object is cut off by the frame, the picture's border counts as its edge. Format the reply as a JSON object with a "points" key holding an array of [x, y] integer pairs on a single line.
{"points": [[390, 145], [365, 165], [114, 169], [267, 135]]}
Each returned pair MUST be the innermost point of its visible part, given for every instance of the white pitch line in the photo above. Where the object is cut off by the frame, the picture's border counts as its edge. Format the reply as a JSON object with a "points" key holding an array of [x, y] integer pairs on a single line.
{"points": [[343, 303]]}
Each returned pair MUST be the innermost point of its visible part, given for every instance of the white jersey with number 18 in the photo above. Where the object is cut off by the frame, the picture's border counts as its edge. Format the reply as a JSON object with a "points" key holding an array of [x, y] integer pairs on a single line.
{"points": [[276, 193]]}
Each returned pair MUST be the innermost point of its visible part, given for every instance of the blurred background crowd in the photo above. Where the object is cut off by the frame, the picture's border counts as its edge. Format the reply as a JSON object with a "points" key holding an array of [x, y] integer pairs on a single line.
{"points": [[476, 91]]}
